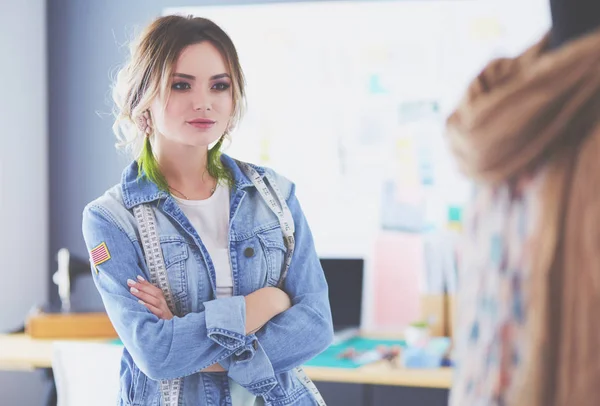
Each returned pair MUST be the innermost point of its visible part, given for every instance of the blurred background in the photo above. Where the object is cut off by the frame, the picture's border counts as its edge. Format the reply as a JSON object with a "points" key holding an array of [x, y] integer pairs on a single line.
{"points": [[348, 99]]}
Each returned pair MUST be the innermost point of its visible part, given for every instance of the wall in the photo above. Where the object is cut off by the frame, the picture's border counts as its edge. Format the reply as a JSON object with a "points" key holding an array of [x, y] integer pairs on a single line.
{"points": [[23, 178]]}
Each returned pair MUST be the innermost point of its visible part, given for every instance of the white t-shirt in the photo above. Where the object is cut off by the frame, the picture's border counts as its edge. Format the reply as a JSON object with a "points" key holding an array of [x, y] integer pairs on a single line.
{"points": [[210, 218]]}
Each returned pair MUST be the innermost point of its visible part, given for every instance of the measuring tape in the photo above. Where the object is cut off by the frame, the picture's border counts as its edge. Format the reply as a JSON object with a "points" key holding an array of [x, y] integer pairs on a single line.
{"points": [[308, 384], [286, 221], [170, 389], [281, 210]]}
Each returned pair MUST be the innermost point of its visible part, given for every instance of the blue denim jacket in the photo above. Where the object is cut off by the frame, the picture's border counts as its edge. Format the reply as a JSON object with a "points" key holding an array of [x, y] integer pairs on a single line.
{"points": [[208, 330]]}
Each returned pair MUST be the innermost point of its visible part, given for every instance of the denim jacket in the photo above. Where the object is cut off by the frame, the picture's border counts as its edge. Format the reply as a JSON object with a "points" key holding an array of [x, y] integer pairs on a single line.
{"points": [[206, 330]]}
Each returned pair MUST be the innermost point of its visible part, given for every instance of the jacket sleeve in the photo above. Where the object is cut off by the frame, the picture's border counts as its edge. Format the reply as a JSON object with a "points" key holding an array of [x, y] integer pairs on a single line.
{"points": [[298, 334], [162, 349]]}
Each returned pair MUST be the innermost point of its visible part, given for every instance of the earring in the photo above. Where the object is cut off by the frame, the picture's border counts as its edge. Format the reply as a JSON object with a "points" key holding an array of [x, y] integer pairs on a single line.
{"points": [[144, 123]]}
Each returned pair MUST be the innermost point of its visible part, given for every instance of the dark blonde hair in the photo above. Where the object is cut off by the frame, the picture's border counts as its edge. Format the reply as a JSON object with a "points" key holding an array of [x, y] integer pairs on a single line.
{"points": [[147, 75]]}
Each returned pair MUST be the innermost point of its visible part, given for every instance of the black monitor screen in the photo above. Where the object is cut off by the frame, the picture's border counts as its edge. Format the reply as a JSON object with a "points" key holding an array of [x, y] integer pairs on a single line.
{"points": [[345, 280]]}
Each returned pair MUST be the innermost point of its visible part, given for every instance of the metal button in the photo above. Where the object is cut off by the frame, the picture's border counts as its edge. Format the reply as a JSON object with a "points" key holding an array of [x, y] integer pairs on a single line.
{"points": [[255, 344], [249, 252]]}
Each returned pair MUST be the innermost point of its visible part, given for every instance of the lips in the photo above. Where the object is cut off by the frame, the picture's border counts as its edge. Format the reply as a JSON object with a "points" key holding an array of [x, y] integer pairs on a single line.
{"points": [[201, 123]]}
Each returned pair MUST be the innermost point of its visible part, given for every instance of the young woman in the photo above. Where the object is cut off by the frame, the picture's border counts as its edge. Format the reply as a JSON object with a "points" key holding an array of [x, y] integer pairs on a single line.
{"points": [[232, 335]]}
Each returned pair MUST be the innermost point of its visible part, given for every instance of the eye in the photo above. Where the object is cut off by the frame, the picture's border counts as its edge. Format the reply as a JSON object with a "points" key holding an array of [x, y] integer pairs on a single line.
{"points": [[221, 86], [181, 86]]}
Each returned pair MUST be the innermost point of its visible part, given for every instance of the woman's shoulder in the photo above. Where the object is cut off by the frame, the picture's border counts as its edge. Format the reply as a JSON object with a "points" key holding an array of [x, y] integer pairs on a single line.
{"points": [[110, 207], [110, 200]]}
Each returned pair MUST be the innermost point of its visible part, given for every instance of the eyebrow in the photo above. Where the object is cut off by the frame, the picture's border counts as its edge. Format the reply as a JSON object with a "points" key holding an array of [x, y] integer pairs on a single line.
{"points": [[190, 77]]}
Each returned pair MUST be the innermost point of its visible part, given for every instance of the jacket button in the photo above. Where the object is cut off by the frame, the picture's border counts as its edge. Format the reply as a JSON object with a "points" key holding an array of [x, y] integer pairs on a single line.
{"points": [[249, 252], [255, 345]]}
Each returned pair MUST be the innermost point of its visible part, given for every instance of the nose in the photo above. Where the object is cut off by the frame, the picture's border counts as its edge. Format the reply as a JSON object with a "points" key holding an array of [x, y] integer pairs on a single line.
{"points": [[202, 101]]}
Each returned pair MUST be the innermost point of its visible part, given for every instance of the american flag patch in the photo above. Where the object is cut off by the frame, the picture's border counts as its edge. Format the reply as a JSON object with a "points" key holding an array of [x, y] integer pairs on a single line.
{"points": [[99, 255]]}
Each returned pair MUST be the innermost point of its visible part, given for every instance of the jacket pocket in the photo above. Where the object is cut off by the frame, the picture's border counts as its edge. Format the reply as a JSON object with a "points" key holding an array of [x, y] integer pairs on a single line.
{"points": [[175, 253], [274, 249]]}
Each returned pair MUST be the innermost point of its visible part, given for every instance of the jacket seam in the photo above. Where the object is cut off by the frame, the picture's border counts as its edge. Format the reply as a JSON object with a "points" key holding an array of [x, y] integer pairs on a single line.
{"points": [[260, 229], [226, 353], [292, 192], [289, 399], [217, 331], [109, 216]]}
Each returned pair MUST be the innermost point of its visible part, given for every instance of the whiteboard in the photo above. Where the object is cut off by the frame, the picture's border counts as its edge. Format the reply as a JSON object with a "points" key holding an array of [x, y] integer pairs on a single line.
{"points": [[349, 100]]}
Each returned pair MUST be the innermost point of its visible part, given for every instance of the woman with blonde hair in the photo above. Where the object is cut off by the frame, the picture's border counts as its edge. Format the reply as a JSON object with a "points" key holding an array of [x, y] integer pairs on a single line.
{"points": [[205, 264]]}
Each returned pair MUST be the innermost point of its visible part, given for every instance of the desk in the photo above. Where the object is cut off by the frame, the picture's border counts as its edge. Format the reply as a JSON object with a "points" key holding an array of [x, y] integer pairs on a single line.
{"points": [[20, 352]]}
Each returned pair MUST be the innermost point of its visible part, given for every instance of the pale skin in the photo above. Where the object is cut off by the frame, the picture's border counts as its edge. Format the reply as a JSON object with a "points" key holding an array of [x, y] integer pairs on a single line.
{"points": [[196, 115]]}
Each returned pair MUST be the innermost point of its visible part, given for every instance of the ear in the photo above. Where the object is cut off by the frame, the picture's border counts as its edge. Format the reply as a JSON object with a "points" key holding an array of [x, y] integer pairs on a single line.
{"points": [[144, 123]]}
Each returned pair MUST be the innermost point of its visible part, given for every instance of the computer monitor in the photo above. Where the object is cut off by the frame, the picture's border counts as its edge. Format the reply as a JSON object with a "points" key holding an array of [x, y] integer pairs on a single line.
{"points": [[345, 279]]}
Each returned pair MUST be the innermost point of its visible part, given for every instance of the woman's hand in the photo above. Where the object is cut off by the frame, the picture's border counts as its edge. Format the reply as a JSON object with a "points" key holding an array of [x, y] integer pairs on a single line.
{"points": [[151, 297]]}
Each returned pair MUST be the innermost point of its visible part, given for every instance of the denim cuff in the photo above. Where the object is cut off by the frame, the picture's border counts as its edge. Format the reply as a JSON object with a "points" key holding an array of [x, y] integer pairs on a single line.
{"points": [[226, 321], [258, 376], [243, 354], [246, 353]]}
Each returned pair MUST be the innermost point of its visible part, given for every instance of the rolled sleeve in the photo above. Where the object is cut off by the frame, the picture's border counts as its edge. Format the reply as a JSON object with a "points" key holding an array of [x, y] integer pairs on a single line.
{"points": [[226, 321], [251, 368]]}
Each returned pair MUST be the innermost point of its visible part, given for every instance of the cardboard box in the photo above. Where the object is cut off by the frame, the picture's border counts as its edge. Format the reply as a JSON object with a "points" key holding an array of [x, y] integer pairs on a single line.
{"points": [[441, 310], [433, 309], [451, 317], [69, 325]]}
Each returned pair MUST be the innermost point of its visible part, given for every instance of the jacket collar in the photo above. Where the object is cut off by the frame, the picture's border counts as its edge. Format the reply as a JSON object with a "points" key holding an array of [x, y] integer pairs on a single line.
{"points": [[139, 189]]}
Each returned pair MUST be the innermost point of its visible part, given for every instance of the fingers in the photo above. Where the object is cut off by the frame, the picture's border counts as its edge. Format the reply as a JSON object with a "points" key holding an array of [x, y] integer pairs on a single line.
{"points": [[146, 292], [158, 312], [146, 298], [142, 283], [151, 297]]}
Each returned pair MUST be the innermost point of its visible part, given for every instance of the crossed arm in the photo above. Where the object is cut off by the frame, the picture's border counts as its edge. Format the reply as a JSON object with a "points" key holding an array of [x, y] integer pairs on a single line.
{"points": [[261, 306]]}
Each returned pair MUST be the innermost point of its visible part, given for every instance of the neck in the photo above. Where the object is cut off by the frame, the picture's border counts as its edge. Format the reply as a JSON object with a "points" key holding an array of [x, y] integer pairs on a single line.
{"points": [[185, 170], [572, 19]]}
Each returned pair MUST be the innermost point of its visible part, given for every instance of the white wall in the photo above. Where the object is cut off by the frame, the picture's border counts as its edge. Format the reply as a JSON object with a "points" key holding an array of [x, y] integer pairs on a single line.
{"points": [[23, 160], [23, 178]]}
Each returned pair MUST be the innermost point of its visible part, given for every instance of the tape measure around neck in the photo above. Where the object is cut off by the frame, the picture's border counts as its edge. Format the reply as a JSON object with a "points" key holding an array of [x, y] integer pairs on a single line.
{"points": [[280, 208], [170, 389]]}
